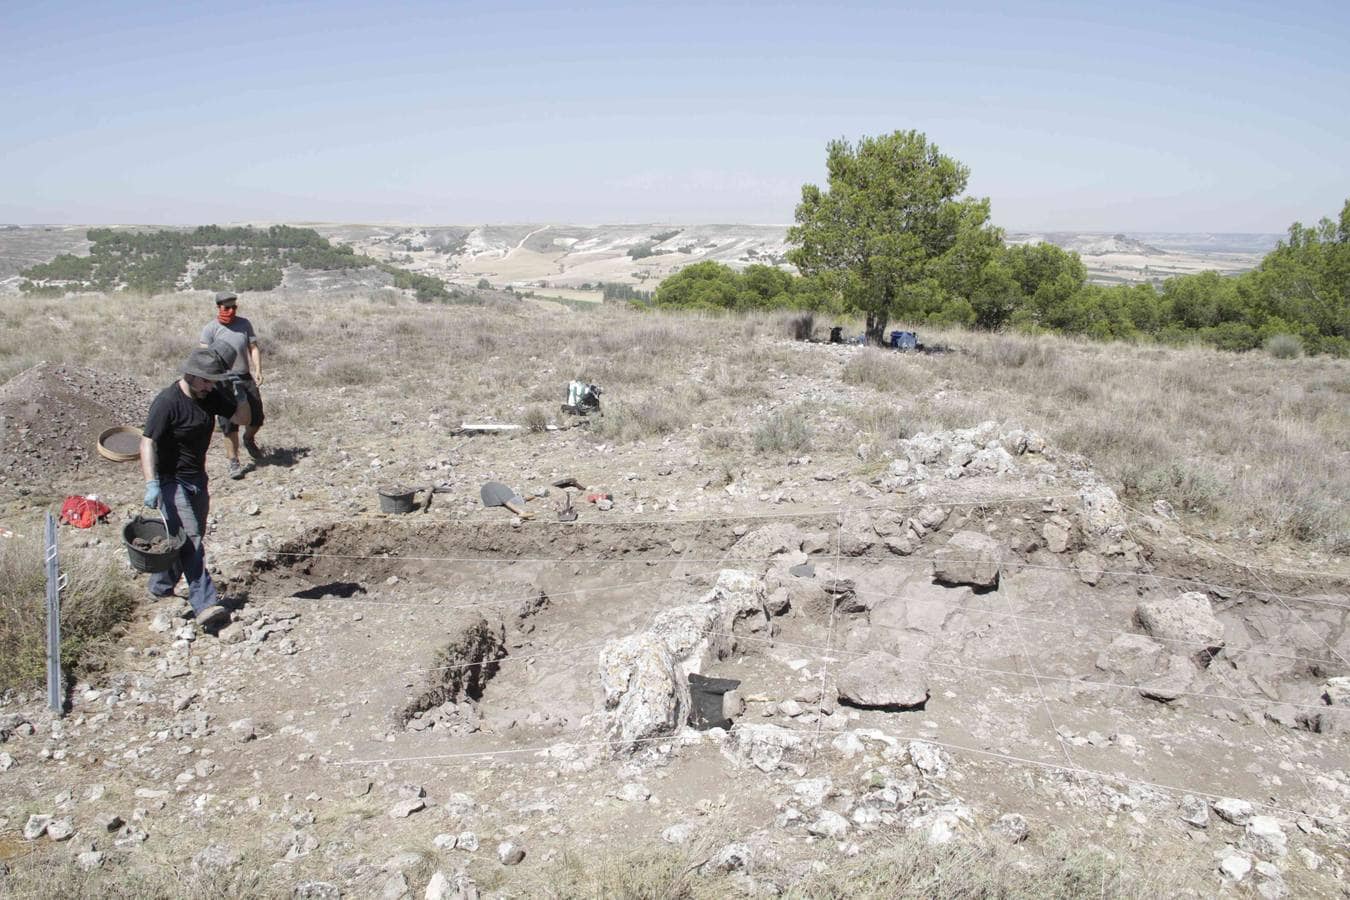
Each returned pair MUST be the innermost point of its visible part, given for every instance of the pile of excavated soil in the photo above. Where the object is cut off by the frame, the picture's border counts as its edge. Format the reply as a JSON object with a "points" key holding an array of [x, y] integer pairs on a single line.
{"points": [[51, 417]]}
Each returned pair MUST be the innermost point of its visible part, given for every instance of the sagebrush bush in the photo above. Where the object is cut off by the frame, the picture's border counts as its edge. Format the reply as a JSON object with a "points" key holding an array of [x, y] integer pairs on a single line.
{"points": [[1284, 346], [1185, 487], [536, 419], [785, 431]]}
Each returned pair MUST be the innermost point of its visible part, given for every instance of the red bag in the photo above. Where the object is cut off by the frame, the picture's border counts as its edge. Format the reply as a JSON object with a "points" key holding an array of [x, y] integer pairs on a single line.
{"points": [[83, 512]]}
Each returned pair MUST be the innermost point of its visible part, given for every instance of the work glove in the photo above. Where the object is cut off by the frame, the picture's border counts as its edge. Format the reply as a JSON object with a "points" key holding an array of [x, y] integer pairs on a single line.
{"points": [[152, 494]]}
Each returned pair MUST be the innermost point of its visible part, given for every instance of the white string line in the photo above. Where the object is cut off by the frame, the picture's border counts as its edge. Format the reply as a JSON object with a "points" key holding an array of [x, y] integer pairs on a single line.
{"points": [[589, 560], [1263, 581], [819, 648], [1045, 702], [829, 640], [1260, 719], [825, 651], [477, 604], [948, 745], [826, 511], [1202, 644], [732, 516]]}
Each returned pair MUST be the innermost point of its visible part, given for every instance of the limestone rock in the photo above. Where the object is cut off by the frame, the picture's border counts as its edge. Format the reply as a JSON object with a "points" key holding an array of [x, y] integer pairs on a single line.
{"points": [[1012, 827], [60, 830], [968, 558], [928, 759], [645, 677], [1235, 866], [1090, 567], [1194, 811], [36, 827], [761, 746], [1133, 656], [1172, 683], [882, 681], [1264, 836], [1185, 622], [405, 808], [734, 857], [829, 825], [1237, 812], [1056, 537], [510, 853]]}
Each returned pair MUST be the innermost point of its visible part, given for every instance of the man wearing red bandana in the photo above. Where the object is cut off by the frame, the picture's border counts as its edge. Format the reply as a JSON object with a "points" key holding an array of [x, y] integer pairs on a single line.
{"points": [[245, 376]]}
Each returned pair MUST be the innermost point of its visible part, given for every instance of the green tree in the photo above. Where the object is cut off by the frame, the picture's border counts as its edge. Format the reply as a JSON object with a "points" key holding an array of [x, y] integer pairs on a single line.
{"points": [[881, 228]]}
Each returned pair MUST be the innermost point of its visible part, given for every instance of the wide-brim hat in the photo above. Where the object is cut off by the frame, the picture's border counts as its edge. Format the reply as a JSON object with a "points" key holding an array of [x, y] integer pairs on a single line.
{"points": [[205, 362]]}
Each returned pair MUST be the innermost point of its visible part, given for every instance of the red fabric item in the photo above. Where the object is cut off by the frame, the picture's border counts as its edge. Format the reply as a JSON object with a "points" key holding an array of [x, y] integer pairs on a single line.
{"points": [[595, 498], [82, 512], [225, 314]]}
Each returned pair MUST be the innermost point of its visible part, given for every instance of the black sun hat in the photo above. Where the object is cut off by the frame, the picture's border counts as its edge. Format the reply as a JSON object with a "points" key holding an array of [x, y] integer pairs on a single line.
{"points": [[204, 362]]}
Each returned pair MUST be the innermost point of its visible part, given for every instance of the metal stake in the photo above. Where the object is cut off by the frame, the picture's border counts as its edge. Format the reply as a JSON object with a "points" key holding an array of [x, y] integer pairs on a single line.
{"points": [[54, 699]]}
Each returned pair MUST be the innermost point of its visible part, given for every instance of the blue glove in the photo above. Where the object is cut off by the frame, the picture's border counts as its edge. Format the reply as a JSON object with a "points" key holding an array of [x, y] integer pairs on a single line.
{"points": [[152, 493]]}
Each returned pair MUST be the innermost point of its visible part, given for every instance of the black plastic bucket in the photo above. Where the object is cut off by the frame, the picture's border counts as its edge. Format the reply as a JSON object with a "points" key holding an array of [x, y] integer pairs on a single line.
{"points": [[141, 528], [705, 696], [397, 499]]}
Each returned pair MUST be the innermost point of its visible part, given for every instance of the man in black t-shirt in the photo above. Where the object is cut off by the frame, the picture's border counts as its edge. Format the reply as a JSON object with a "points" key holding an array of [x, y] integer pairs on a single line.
{"points": [[173, 459]]}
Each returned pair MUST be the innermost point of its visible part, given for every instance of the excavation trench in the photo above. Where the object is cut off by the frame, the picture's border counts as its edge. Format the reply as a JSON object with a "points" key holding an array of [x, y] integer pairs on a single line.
{"points": [[498, 629]]}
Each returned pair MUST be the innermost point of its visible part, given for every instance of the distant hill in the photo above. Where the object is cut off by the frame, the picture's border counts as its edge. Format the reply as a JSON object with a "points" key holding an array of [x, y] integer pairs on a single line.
{"points": [[525, 256]]}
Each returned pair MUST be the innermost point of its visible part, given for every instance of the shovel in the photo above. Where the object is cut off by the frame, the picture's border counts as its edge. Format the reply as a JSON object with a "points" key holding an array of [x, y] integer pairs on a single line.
{"points": [[497, 494]]}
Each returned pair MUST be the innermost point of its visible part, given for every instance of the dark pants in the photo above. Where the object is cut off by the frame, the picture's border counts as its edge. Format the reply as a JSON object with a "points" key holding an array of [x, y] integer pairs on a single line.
{"points": [[245, 390], [185, 504]]}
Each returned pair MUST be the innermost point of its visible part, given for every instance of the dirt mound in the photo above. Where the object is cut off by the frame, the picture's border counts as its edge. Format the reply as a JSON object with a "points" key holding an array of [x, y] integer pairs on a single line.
{"points": [[51, 417]]}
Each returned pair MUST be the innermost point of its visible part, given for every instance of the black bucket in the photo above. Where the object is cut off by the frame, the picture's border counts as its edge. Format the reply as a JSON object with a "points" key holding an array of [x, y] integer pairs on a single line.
{"points": [[141, 528], [705, 696], [397, 499]]}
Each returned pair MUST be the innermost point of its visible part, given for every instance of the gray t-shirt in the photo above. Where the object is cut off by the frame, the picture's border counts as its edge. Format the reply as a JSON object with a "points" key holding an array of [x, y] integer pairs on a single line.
{"points": [[238, 336]]}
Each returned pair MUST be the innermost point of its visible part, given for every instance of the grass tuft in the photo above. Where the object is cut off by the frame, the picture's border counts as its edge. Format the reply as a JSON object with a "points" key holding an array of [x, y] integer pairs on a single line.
{"points": [[785, 431], [1284, 346], [97, 599]]}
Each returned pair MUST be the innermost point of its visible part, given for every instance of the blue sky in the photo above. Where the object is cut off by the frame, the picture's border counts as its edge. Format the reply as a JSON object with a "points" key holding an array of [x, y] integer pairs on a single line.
{"points": [[1142, 116]]}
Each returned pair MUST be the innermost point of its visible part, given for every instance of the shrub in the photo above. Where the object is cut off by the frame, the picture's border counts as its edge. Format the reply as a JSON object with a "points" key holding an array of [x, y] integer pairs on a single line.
{"points": [[1284, 346], [96, 600], [536, 420], [484, 284], [802, 326], [784, 431], [1185, 488], [719, 439]]}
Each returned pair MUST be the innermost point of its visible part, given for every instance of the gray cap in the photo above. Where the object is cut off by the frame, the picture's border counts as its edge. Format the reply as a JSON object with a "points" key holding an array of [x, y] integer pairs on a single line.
{"points": [[226, 297], [206, 363]]}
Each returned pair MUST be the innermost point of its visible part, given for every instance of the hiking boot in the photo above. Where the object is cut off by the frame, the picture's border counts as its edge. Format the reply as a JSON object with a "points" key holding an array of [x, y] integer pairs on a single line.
{"points": [[214, 614], [254, 451], [236, 470]]}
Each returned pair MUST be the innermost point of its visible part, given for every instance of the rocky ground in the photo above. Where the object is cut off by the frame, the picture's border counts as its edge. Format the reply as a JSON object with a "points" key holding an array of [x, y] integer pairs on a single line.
{"points": [[968, 637]]}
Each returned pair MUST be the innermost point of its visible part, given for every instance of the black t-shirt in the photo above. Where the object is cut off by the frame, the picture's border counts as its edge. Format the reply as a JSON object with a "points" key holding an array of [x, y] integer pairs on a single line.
{"points": [[181, 429]]}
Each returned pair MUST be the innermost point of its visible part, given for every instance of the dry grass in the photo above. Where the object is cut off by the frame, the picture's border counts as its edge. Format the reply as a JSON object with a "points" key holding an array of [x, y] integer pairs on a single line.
{"points": [[1247, 441], [784, 431], [97, 599]]}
